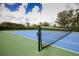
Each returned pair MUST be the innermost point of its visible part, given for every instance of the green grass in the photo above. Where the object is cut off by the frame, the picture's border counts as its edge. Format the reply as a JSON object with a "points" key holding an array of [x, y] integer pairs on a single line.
{"points": [[14, 45]]}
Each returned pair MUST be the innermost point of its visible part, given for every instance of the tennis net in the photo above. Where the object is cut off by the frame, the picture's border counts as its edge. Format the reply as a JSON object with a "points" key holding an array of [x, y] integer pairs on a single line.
{"points": [[50, 35]]}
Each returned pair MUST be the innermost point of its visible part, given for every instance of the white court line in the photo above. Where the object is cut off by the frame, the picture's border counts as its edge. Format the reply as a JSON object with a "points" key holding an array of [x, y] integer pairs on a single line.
{"points": [[24, 36], [70, 42], [66, 49]]}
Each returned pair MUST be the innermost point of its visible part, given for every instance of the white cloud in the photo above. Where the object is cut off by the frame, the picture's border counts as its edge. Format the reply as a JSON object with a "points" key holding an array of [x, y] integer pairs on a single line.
{"points": [[48, 14], [72, 6], [16, 17]]}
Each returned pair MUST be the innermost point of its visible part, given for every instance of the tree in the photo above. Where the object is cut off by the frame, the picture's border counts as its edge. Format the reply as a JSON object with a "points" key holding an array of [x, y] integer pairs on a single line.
{"points": [[40, 24], [65, 18], [45, 24], [28, 24], [77, 18], [34, 26], [69, 18], [62, 18], [54, 25]]}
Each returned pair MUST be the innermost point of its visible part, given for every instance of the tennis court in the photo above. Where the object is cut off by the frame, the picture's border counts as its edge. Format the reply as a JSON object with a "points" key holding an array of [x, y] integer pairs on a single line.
{"points": [[26, 43], [69, 43]]}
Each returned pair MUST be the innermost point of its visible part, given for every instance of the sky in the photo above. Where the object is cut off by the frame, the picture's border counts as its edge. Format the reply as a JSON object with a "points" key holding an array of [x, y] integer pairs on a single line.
{"points": [[33, 12]]}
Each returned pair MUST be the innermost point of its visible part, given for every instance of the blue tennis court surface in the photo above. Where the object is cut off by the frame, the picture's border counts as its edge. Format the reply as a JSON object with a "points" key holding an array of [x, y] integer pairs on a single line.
{"points": [[70, 42]]}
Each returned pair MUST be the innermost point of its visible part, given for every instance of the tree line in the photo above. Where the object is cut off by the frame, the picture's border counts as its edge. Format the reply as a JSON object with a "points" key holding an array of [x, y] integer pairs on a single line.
{"points": [[14, 26], [11, 26]]}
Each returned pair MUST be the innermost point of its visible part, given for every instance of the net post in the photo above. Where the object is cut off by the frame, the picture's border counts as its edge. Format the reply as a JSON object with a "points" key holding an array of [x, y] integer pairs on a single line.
{"points": [[39, 38]]}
